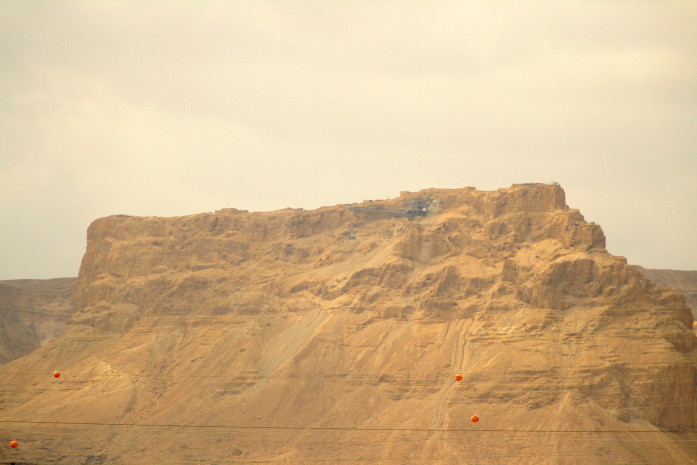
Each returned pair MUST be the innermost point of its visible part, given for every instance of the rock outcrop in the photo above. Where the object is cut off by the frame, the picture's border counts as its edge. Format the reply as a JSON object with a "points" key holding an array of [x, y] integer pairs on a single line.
{"points": [[334, 335], [684, 282]]}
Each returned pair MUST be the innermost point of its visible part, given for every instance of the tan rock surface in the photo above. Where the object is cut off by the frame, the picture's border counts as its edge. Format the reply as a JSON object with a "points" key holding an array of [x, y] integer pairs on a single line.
{"points": [[333, 336], [32, 313], [684, 282]]}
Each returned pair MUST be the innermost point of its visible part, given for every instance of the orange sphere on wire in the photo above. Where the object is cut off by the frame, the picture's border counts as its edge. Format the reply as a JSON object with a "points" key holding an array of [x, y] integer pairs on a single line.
{"points": [[474, 418], [56, 374], [13, 444], [458, 377]]}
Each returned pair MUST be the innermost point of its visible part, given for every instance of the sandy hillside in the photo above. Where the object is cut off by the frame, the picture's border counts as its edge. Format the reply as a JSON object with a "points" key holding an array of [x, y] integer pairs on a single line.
{"points": [[333, 336]]}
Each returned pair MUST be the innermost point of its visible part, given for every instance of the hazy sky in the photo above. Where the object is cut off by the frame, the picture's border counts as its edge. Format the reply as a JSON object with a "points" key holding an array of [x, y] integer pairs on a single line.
{"points": [[168, 108]]}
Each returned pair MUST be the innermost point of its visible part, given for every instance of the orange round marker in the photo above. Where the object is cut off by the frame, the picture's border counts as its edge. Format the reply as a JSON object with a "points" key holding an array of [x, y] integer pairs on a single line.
{"points": [[56, 374], [13, 444], [474, 418], [458, 377]]}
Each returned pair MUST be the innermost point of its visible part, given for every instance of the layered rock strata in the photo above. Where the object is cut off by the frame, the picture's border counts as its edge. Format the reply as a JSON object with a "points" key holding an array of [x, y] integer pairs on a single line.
{"points": [[334, 335], [684, 282]]}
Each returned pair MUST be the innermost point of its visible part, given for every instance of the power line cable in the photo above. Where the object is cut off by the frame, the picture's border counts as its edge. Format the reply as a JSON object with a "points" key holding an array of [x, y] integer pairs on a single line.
{"points": [[338, 428]]}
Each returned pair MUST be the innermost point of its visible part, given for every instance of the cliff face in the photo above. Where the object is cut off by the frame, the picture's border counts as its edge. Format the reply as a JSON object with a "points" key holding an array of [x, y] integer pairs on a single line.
{"points": [[33, 312], [334, 334]]}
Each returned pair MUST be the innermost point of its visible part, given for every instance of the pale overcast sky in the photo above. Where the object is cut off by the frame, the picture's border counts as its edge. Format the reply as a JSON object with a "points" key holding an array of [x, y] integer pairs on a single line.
{"points": [[169, 108]]}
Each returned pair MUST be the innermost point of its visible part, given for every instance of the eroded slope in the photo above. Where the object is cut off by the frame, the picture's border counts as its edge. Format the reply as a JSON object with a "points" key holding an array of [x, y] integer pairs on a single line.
{"points": [[684, 282]]}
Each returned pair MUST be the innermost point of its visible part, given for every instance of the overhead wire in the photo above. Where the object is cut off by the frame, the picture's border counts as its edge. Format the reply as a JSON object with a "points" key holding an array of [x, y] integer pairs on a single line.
{"points": [[403, 460], [337, 428], [436, 376], [360, 440]]}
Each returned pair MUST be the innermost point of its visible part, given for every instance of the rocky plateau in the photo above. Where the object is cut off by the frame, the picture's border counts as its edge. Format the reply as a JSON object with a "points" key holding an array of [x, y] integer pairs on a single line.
{"points": [[334, 336]]}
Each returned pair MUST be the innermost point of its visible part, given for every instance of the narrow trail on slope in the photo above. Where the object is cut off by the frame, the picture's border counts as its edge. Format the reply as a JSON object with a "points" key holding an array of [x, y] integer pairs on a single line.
{"points": [[455, 366]]}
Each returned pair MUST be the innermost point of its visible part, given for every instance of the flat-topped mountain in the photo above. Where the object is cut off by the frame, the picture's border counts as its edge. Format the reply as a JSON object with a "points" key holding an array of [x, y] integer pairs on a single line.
{"points": [[334, 336]]}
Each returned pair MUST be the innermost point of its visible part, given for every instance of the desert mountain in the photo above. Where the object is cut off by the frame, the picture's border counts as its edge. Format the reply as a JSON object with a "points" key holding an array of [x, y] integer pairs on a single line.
{"points": [[333, 336], [684, 282], [32, 312]]}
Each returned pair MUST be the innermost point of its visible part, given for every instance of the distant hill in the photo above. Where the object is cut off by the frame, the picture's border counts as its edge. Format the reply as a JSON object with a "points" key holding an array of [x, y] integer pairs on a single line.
{"points": [[684, 282], [33, 312]]}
